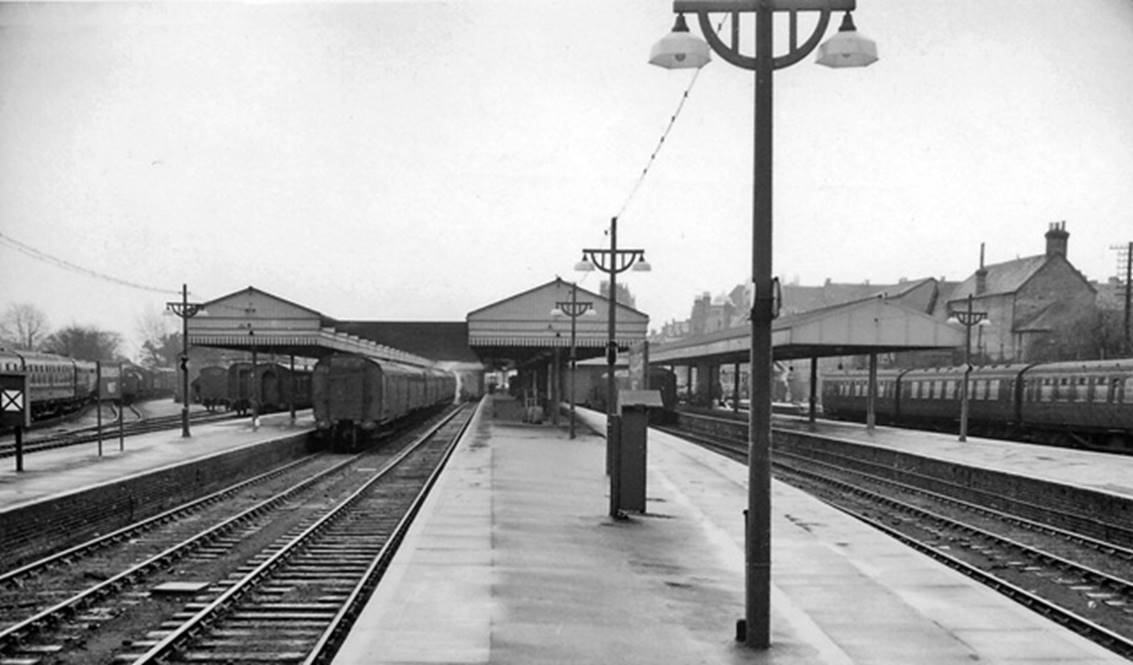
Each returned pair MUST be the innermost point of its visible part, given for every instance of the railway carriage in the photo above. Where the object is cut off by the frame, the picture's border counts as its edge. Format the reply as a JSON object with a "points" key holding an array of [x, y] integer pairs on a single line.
{"points": [[928, 395], [211, 388], [56, 384], [278, 387], [846, 395], [240, 386], [993, 399], [354, 396], [1079, 402], [1086, 404]]}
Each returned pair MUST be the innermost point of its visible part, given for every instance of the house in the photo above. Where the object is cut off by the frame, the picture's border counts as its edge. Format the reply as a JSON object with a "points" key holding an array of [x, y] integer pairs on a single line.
{"points": [[1023, 299]]}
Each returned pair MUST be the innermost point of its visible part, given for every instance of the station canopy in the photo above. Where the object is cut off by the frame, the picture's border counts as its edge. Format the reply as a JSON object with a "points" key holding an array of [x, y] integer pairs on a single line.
{"points": [[862, 327], [520, 329], [252, 320]]}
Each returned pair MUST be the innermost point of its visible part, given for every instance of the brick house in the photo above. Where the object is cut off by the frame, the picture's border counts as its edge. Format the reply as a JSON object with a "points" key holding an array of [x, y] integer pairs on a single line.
{"points": [[1024, 299]]}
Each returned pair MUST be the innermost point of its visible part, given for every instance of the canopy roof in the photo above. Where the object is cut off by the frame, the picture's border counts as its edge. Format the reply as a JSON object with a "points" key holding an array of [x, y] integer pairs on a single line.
{"points": [[872, 325], [518, 329], [251, 319]]}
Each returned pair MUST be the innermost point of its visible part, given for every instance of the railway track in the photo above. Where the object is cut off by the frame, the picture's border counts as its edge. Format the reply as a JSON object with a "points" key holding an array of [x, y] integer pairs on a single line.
{"points": [[277, 580], [1079, 581]]}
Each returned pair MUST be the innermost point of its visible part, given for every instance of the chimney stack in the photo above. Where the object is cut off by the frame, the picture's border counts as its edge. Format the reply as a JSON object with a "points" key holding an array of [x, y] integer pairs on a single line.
{"points": [[981, 274], [1056, 239]]}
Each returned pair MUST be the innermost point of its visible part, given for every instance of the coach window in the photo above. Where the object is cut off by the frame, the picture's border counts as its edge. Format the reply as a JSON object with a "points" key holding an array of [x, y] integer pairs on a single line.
{"points": [[949, 389], [1083, 392], [1101, 389]]}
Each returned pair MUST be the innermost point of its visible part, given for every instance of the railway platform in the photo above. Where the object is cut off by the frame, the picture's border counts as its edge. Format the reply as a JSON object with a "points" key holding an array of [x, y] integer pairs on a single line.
{"points": [[1111, 473], [513, 559], [50, 474]]}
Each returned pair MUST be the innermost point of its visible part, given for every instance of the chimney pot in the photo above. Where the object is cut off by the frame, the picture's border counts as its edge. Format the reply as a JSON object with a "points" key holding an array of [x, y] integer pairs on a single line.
{"points": [[1057, 239]]}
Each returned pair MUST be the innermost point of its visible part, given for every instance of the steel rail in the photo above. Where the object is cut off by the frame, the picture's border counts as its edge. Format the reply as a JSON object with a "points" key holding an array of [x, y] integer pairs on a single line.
{"points": [[331, 639], [1032, 525], [23, 629], [239, 588], [1079, 624], [1103, 578], [12, 576]]}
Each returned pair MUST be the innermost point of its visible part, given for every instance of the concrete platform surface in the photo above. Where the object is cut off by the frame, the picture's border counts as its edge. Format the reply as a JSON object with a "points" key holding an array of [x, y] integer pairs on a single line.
{"points": [[1100, 471], [50, 473], [514, 560]]}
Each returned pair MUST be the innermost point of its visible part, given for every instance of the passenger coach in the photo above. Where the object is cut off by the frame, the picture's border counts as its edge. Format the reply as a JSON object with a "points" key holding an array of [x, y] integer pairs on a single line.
{"points": [[354, 396], [1086, 404]]}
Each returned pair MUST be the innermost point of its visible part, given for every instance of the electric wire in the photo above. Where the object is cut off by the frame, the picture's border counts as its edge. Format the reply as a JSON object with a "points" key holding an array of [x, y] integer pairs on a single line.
{"points": [[67, 265], [665, 134]]}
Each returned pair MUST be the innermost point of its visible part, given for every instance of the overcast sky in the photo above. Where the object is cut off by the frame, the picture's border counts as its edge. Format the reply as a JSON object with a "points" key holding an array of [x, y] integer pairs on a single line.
{"points": [[420, 160]]}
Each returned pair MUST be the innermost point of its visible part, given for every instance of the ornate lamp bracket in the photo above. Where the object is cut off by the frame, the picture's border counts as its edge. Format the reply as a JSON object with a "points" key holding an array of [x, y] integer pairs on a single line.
{"points": [[732, 53]]}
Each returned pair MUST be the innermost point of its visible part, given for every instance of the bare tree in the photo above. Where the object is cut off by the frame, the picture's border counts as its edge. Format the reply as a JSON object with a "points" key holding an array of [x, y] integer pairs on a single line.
{"points": [[160, 347], [23, 325]]}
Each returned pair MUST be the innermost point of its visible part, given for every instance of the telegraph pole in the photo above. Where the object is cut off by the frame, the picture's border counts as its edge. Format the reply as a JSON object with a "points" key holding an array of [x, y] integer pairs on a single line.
{"points": [[1125, 255]]}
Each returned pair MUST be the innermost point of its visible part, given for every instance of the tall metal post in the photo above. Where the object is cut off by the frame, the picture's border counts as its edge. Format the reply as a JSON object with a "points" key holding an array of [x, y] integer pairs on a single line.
{"points": [[757, 616], [969, 319], [573, 352], [612, 262], [253, 392], [184, 362], [186, 310], [573, 309], [755, 628], [1128, 295], [613, 429]]}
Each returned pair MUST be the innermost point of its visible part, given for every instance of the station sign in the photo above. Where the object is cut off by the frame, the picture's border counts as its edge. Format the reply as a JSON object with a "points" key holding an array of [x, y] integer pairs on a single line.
{"points": [[109, 381], [15, 400]]}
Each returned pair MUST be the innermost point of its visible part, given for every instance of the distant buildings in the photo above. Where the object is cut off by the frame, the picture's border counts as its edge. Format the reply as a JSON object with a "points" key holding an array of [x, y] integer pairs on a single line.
{"points": [[1026, 300]]}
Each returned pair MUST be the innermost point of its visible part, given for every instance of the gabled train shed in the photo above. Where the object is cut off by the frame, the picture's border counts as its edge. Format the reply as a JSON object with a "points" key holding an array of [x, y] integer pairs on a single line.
{"points": [[520, 333], [254, 321]]}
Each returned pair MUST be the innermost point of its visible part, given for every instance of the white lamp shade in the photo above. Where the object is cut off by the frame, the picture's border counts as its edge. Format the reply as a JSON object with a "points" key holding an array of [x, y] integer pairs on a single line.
{"points": [[584, 266], [847, 48], [680, 50], [642, 266]]}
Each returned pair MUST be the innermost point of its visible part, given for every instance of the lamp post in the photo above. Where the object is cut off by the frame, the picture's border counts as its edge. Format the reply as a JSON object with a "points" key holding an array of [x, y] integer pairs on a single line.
{"points": [[969, 319], [680, 50], [573, 309], [613, 261], [186, 310]]}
